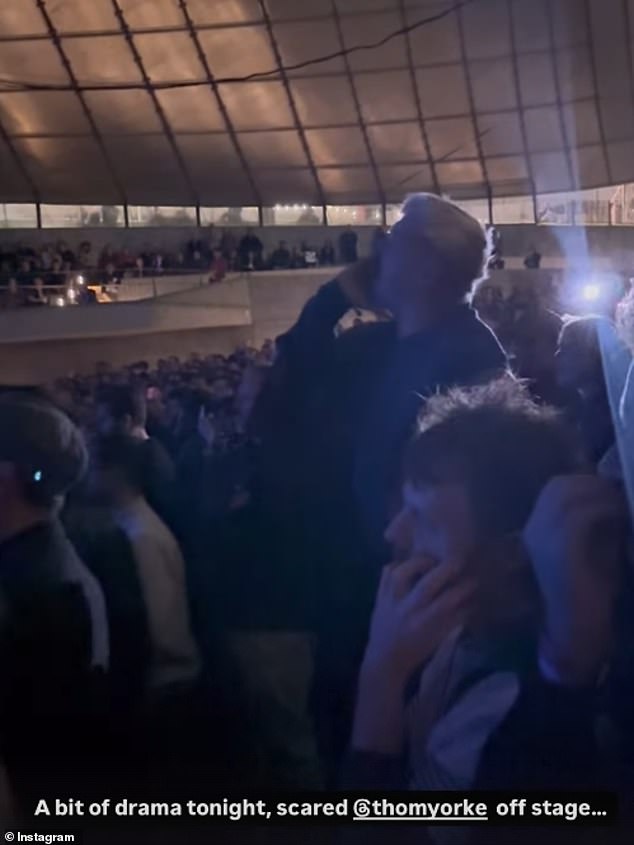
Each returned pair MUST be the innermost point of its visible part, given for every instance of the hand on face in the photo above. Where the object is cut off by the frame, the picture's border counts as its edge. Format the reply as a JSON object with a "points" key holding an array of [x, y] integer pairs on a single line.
{"points": [[418, 604], [575, 539]]}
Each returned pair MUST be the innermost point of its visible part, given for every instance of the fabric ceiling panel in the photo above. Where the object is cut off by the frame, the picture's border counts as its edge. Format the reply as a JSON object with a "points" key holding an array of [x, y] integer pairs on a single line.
{"points": [[51, 160], [149, 170], [452, 138], [400, 180], [14, 185], [443, 91], [568, 116], [287, 186], [123, 112], [348, 184], [460, 173], [351, 7], [324, 101], [575, 73], [614, 77], [82, 16], [543, 130], [501, 134], [21, 19], [582, 124], [191, 109], [285, 9], [537, 79], [487, 30], [551, 173], [591, 166], [237, 51], [104, 59], [397, 142], [39, 112], [530, 25], [273, 149], [373, 28], [168, 57], [214, 166], [493, 85], [31, 61], [569, 22], [300, 42], [224, 11], [150, 14], [257, 105], [436, 42], [620, 157], [337, 146], [385, 96], [508, 170]]}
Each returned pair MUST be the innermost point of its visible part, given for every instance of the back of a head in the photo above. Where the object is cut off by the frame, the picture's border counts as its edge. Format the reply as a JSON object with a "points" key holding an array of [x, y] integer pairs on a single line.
{"points": [[120, 454], [455, 245], [124, 401], [43, 444], [498, 442]]}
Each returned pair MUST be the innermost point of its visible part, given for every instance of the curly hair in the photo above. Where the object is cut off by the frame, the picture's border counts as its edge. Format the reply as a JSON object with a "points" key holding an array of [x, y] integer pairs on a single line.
{"points": [[497, 441]]}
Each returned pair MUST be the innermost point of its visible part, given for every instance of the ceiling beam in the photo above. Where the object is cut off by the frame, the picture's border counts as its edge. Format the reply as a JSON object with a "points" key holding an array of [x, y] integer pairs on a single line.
{"points": [[147, 84], [291, 102], [94, 130]]}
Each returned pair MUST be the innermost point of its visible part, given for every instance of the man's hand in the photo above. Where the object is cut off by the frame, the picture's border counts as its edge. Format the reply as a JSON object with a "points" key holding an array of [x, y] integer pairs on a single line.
{"points": [[357, 282], [575, 538], [418, 604]]}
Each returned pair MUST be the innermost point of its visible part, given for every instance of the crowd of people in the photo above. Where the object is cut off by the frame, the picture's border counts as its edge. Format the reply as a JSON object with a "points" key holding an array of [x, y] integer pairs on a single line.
{"points": [[393, 556], [220, 252]]}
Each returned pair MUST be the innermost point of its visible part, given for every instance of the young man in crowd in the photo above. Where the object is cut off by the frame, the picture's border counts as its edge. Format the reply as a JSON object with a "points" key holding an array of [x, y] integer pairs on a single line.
{"points": [[484, 652], [117, 480], [122, 409], [54, 646]]}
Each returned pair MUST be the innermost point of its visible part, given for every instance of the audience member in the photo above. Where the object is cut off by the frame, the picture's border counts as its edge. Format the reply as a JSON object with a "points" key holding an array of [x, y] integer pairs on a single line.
{"points": [[281, 257], [118, 481], [348, 246], [53, 634], [456, 624], [533, 260], [122, 409]]}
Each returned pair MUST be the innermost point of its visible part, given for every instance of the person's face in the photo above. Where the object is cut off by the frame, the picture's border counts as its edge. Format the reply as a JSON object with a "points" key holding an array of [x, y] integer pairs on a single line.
{"points": [[400, 271], [436, 521]]}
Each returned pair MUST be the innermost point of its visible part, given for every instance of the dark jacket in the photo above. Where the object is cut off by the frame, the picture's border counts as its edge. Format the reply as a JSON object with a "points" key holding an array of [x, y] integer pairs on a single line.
{"points": [[355, 400], [53, 653]]}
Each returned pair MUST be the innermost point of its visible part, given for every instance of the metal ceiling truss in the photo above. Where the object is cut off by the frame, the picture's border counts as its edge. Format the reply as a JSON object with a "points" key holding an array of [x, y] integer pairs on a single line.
{"points": [[96, 134], [357, 106], [167, 129], [215, 89], [292, 105]]}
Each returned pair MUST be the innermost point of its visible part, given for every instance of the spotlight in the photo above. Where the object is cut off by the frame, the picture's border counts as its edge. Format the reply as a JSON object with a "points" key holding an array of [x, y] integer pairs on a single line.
{"points": [[80, 280], [72, 294], [60, 302], [591, 292]]}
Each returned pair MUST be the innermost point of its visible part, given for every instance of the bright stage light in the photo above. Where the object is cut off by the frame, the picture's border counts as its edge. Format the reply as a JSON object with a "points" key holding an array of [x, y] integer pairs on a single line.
{"points": [[80, 280], [60, 302], [591, 292]]}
